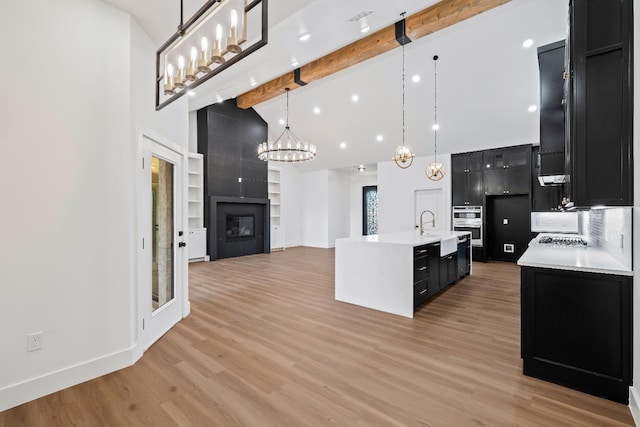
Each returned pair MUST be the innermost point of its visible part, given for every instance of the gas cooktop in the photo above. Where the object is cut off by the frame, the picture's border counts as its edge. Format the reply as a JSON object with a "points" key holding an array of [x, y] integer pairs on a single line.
{"points": [[562, 240]]}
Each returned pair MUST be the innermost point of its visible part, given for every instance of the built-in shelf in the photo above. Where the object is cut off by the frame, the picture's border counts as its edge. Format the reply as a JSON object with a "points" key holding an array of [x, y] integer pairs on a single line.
{"points": [[197, 240], [275, 195]]}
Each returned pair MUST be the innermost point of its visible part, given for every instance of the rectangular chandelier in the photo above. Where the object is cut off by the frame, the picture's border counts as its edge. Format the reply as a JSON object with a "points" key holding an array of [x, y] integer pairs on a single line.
{"points": [[220, 34]]}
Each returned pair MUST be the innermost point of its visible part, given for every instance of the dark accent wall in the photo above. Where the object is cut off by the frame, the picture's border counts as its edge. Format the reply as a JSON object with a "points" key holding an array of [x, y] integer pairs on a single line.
{"points": [[228, 137]]}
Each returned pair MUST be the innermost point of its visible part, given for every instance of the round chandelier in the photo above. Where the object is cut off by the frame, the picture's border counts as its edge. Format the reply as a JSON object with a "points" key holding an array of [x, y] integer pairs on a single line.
{"points": [[435, 169], [403, 155], [287, 148]]}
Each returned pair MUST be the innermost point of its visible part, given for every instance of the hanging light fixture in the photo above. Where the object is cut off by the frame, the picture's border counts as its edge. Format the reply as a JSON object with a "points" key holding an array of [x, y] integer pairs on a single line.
{"points": [[287, 148], [188, 59], [403, 155], [435, 170]]}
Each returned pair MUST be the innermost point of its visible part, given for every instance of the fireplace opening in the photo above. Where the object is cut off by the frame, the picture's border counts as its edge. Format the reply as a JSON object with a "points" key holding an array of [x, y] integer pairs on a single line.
{"points": [[240, 227]]}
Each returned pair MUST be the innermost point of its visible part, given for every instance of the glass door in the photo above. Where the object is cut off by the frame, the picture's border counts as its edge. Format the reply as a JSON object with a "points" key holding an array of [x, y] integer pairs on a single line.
{"points": [[162, 278]]}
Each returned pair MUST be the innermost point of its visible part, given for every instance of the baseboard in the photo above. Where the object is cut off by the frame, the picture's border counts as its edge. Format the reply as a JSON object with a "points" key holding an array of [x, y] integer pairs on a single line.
{"points": [[634, 404], [26, 391]]}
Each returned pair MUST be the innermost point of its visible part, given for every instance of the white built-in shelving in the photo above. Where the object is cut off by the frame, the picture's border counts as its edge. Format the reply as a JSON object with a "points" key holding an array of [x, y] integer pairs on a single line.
{"points": [[275, 196], [197, 241]]}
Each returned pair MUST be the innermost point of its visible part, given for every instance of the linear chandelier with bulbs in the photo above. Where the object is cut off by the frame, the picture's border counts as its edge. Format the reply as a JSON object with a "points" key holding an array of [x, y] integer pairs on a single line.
{"points": [[221, 33]]}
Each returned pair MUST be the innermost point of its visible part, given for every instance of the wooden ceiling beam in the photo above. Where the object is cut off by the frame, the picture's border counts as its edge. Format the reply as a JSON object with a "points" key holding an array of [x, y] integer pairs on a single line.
{"points": [[437, 17]]}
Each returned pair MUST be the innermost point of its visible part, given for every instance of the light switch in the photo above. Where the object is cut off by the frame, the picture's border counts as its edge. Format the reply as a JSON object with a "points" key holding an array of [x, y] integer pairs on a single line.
{"points": [[505, 221]]}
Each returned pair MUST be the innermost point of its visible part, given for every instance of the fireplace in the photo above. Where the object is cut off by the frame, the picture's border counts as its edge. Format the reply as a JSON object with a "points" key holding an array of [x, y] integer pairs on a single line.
{"points": [[238, 226]]}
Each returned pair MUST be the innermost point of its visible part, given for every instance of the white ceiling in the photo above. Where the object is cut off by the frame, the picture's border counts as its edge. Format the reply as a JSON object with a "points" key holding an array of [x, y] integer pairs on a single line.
{"points": [[486, 79]]}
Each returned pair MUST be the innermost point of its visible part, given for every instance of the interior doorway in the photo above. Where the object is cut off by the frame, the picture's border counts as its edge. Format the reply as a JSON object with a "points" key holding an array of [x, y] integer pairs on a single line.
{"points": [[162, 284]]}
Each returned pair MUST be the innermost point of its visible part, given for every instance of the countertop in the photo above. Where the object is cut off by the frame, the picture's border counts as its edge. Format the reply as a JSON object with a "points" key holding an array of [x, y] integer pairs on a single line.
{"points": [[409, 238], [589, 259]]}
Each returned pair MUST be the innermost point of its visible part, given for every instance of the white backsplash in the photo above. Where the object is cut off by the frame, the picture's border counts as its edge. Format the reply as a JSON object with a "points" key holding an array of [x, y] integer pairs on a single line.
{"points": [[611, 230]]}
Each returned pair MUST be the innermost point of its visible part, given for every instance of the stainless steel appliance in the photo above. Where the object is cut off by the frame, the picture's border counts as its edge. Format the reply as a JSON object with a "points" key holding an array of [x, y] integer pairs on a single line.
{"points": [[469, 219]]}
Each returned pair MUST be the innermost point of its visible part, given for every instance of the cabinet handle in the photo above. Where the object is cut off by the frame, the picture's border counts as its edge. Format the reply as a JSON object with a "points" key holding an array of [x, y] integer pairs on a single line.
{"points": [[436, 244], [422, 291], [422, 251], [422, 268], [563, 102]]}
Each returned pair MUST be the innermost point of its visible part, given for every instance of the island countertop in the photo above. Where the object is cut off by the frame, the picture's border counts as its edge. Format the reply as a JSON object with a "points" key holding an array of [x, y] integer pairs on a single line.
{"points": [[377, 271], [410, 238]]}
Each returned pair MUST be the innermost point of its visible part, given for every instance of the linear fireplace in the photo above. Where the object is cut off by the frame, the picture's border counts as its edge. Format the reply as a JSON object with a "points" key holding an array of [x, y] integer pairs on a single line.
{"points": [[238, 226]]}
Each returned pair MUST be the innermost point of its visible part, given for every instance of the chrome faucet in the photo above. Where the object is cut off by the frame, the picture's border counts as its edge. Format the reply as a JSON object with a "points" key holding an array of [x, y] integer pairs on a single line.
{"points": [[433, 221]]}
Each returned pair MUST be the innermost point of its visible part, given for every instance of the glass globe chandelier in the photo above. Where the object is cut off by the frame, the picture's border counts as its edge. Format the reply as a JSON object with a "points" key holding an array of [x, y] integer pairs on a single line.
{"points": [[403, 155], [288, 147], [435, 170]]}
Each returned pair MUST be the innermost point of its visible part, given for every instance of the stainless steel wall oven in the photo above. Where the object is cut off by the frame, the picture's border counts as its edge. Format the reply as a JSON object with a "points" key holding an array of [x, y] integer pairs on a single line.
{"points": [[469, 219]]}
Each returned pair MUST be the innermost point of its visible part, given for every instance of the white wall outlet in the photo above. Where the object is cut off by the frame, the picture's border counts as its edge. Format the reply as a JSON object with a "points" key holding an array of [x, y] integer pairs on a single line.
{"points": [[509, 248], [34, 341]]}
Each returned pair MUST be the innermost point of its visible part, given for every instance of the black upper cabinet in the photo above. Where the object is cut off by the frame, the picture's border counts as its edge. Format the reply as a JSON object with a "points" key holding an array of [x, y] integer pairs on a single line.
{"points": [[467, 179], [507, 171], [601, 103], [551, 60]]}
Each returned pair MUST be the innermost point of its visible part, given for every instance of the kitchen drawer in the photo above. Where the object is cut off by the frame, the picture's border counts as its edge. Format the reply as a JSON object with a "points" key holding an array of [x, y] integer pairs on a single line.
{"points": [[420, 268], [420, 292], [420, 251]]}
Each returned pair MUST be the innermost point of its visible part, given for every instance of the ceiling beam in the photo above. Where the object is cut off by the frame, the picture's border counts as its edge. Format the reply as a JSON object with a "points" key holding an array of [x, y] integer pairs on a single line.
{"points": [[437, 17]]}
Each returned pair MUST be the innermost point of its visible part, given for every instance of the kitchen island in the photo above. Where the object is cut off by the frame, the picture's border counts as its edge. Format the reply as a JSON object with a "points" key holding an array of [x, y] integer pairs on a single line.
{"points": [[394, 272]]}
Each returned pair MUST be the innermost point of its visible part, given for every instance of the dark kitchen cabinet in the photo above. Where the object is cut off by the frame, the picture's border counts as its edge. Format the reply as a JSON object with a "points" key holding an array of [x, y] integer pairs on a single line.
{"points": [[448, 269], [577, 330], [551, 61], [466, 179], [601, 102], [420, 275], [433, 265], [507, 171]]}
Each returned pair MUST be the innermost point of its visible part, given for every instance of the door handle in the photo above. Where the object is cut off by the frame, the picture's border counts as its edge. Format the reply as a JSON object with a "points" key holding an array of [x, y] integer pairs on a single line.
{"points": [[182, 244]]}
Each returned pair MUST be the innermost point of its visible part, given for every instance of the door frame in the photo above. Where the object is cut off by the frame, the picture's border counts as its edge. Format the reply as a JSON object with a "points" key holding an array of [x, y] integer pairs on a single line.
{"points": [[144, 239]]}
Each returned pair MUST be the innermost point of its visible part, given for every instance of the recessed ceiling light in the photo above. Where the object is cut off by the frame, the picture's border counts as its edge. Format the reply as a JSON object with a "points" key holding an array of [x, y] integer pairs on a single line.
{"points": [[532, 108], [415, 78], [316, 110], [365, 29], [191, 93], [379, 138], [294, 62], [304, 37], [343, 145], [355, 98], [253, 82], [527, 43], [218, 99], [361, 168], [435, 127], [281, 121]]}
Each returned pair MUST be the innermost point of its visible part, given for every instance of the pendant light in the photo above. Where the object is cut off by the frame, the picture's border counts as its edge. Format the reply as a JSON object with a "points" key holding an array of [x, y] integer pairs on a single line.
{"points": [[403, 155], [435, 170]]}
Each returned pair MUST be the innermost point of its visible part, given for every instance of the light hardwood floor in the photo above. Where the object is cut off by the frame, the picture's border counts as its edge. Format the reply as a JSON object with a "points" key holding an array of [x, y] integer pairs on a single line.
{"points": [[267, 345]]}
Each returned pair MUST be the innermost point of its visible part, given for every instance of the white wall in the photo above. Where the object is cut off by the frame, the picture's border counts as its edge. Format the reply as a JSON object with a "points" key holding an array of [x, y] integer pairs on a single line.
{"points": [[339, 201], [358, 181], [634, 398], [396, 193], [315, 209], [290, 204], [68, 186]]}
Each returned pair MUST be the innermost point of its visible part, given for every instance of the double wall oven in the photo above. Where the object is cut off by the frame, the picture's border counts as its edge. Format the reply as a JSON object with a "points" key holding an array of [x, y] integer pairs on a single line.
{"points": [[469, 219]]}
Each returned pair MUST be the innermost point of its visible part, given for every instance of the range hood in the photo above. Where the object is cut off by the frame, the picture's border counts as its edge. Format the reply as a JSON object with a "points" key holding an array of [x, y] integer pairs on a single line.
{"points": [[549, 180]]}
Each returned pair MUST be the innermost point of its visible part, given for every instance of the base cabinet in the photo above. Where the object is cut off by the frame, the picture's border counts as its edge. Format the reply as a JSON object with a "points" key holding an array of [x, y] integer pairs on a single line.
{"points": [[464, 258], [577, 330], [197, 244]]}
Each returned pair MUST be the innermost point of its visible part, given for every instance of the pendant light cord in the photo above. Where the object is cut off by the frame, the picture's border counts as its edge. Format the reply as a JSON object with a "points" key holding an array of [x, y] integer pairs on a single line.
{"points": [[403, 35], [287, 125], [435, 108]]}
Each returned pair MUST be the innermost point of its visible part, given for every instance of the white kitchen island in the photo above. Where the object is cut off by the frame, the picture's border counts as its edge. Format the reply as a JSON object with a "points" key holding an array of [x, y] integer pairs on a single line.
{"points": [[377, 271]]}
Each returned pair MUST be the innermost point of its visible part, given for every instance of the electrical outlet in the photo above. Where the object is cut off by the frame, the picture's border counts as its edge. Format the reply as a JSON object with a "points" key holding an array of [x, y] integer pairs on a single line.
{"points": [[34, 341]]}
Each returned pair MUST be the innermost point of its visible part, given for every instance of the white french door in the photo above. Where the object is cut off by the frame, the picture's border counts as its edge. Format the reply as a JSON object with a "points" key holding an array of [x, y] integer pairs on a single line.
{"points": [[162, 255]]}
